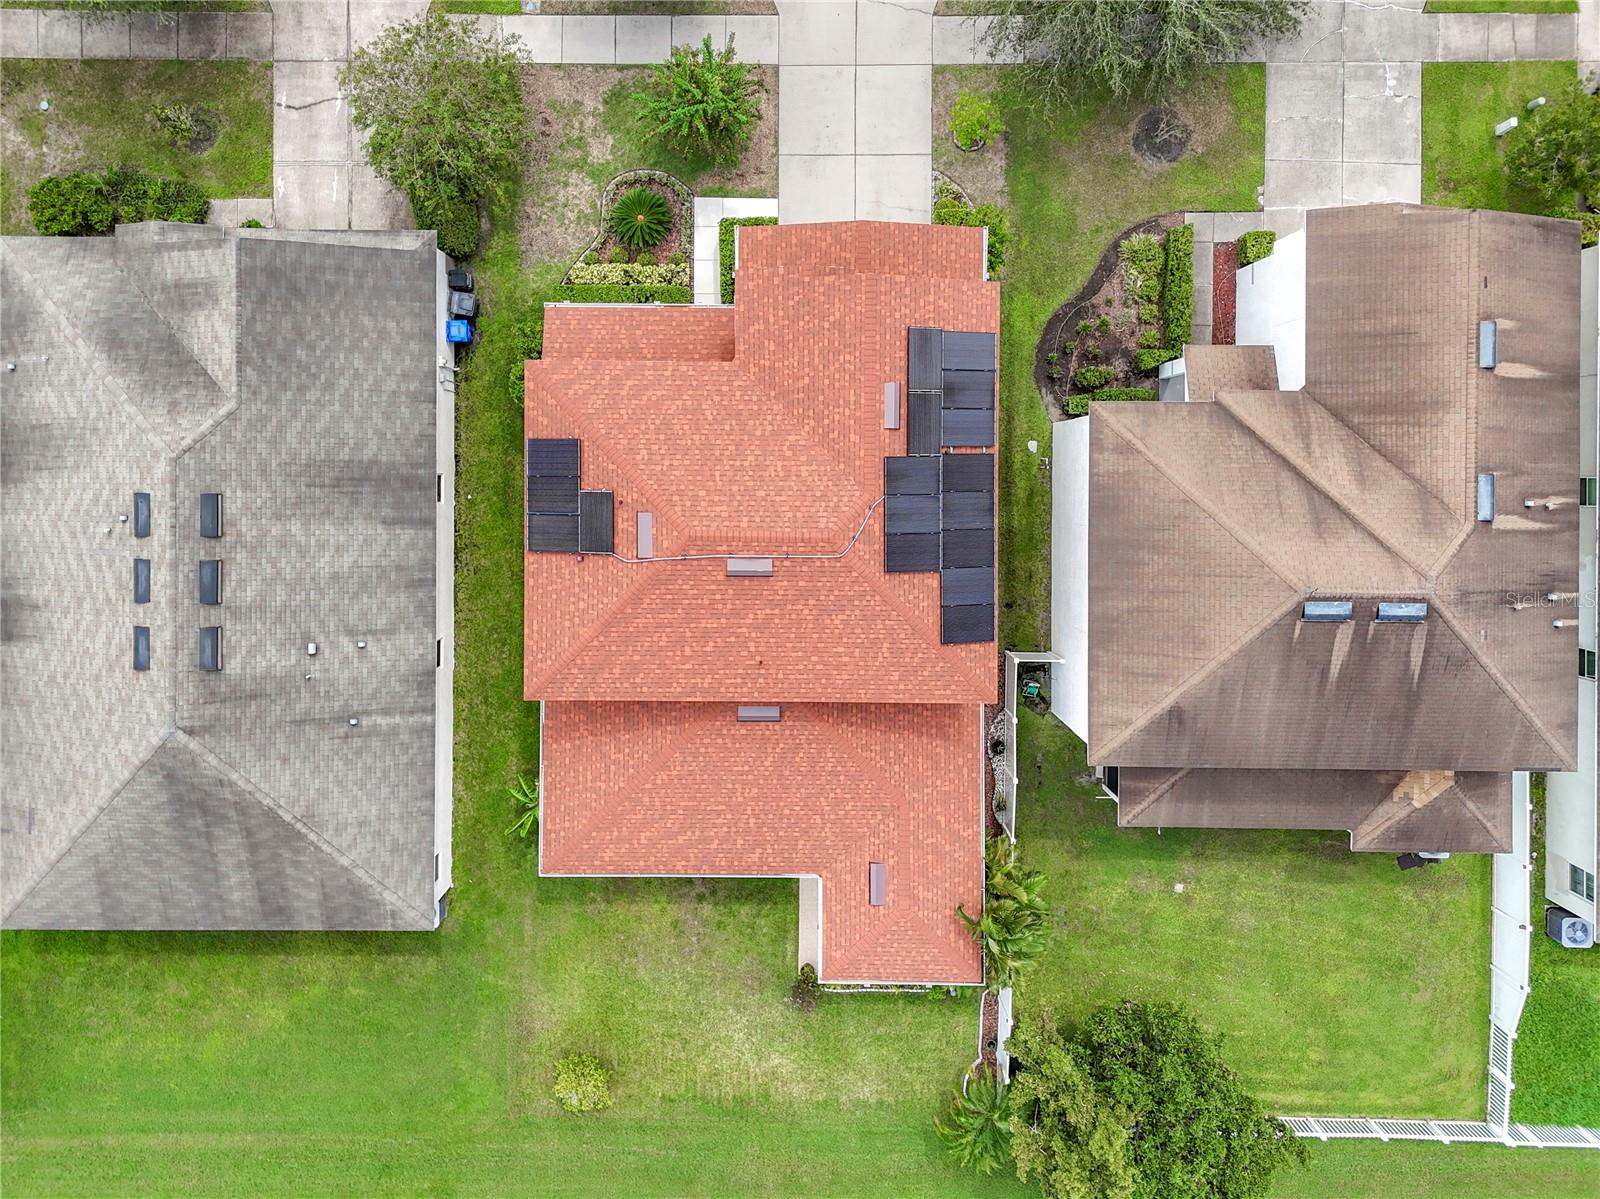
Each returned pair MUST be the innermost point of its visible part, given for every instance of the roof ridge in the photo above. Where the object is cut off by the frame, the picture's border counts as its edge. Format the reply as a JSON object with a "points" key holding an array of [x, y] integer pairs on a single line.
{"points": [[1453, 622], [317, 839], [1329, 493], [646, 769], [594, 628], [121, 254]]}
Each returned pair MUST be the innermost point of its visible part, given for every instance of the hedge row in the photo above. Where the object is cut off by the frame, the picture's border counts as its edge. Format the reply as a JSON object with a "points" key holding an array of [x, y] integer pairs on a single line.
{"points": [[952, 211], [82, 204], [1078, 404], [630, 272], [624, 293], [1177, 290], [1255, 245], [725, 247]]}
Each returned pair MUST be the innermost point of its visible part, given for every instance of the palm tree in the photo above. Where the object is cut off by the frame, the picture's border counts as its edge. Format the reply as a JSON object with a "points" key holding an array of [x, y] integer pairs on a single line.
{"points": [[1011, 928], [526, 796], [978, 1133]]}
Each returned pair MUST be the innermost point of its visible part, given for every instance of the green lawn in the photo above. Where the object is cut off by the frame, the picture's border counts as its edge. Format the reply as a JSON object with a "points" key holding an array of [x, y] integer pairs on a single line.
{"points": [[1340, 984], [1461, 104], [1557, 1057], [1420, 1170], [1072, 183], [102, 115], [1524, 6]]}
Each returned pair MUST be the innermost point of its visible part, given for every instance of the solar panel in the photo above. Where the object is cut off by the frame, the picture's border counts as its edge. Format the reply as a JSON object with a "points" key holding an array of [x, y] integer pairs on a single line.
{"points": [[553, 493], [911, 514], [141, 580], [210, 581], [969, 352], [967, 426], [967, 472], [924, 358], [966, 585], [967, 510], [968, 389], [552, 455], [596, 513], [968, 547], [553, 533], [904, 553], [911, 476], [922, 423], [966, 623]]}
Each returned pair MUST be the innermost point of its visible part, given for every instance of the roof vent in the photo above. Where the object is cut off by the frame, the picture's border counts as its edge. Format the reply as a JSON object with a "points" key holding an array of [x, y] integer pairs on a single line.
{"points": [[211, 514], [311, 649], [1488, 350], [1402, 612], [211, 647], [1486, 497], [877, 884], [647, 535], [141, 647], [749, 568], [891, 405], [141, 580], [760, 713], [141, 514], [1331, 611]]}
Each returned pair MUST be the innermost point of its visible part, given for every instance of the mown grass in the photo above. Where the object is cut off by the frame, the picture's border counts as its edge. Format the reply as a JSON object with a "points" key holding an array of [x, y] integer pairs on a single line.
{"points": [[1513, 6], [1072, 183], [1462, 102], [102, 114], [1340, 984], [1420, 1170], [1557, 1058]]}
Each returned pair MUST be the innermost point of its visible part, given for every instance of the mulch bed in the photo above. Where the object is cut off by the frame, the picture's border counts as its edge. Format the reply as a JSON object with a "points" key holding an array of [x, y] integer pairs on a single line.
{"points": [[678, 236], [991, 1026], [1224, 285]]}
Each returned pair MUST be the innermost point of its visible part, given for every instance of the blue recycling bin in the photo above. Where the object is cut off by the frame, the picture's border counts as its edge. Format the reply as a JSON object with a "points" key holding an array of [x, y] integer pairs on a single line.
{"points": [[458, 332]]}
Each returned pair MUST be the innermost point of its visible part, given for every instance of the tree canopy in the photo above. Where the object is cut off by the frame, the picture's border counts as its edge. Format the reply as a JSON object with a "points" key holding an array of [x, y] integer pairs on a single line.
{"points": [[1127, 44], [1556, 151], [442, 104]]}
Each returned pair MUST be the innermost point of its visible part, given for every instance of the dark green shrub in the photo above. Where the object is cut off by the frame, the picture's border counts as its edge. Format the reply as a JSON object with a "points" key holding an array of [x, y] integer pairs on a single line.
{"points": [[1149, 314], [1085, 327], [725, 247], [1090, 377], [70, 205], [677, 258], [645, 258], [1590, 221], [1177, 291], [1123, 393], [619, 254], [582, 1083], [951, 211], [454, 218], [592, 257], [1150, 339], [140, 197], [624, 293], [701, 102], [1255, 245], [640, 218], [803, 994], [1146, 361]]}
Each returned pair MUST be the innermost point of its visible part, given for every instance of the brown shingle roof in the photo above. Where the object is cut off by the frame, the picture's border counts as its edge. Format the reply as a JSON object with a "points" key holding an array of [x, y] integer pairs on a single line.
{"points": [[1210, 523]]}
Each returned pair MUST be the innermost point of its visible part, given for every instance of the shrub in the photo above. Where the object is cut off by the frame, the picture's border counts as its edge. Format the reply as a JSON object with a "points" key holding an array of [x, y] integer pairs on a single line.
{"points": [[1177, 291], [629, 273], [1091, 351], [641, 217], [803, 994], [582, 1083], [1085, 327], [1590, 220], [454, 218], [1150, 339], [1141, 257], [644, 258], [1011, 928], [977, 1132], [677, 258], [1149, 314], [1255, 245], [725, 247], [1090, 377], [619, 255], [701, 102], [1145, 362], [592, 257], [70, 205], [1103, 324], [1556, 152], [252, 223], [179, 122], [944, 189], [623, 293], [1123, 393], [953, 211], [525, 798], [974, 120]]}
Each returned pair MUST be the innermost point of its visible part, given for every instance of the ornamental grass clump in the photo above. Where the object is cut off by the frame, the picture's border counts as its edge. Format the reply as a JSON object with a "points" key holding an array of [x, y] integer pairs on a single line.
{"points": [[640, 218]]}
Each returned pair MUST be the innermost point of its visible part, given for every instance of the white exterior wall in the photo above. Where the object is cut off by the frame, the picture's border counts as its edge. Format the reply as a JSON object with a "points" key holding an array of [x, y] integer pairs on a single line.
{"points": [[1572, 824], [1270, 308], [1069, 574], [444, 528]]}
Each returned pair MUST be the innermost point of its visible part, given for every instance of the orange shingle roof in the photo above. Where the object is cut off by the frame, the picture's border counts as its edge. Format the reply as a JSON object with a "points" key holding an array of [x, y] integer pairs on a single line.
{"points": [[758, 430]]}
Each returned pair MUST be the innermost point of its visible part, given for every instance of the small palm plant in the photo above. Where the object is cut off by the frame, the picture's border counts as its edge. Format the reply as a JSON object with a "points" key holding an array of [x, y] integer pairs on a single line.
{"points": [[977, 1133], [526, 796], [640, 218], [1011, 928]]}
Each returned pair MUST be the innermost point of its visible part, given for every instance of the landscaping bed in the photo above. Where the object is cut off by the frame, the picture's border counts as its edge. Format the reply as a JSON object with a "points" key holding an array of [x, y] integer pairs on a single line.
{"points": [[1224, 292], [663, 259]]}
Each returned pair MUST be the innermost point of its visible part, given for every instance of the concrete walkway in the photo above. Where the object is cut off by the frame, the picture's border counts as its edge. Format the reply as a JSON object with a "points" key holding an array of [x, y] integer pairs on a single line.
{"points": [[709, 213]]}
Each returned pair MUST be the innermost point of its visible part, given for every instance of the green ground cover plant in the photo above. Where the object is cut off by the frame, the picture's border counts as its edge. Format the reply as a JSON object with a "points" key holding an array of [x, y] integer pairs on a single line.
{"points": [[91, 125], [1462, 160]]}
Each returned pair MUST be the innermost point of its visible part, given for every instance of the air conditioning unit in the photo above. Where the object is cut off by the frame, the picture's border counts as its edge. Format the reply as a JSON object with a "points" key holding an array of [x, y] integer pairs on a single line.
{"points": [[1567, 930]]}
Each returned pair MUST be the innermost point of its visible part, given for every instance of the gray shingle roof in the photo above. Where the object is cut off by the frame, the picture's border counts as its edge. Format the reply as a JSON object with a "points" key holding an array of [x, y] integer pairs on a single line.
{"points": [[296, 377]]}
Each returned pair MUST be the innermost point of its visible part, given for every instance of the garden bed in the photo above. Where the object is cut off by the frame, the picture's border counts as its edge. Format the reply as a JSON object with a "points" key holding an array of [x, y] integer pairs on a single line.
{"points": [[1224, 290], [674, 247]]}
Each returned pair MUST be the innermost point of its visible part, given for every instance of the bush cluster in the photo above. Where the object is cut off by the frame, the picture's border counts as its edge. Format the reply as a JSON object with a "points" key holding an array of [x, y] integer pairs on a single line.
{"points": [[630, 272], [582, 1083], [1145, 362], [453, 217], [1177, 292], [1141, 257], [624, 293], [1091, 377], [82, 204], [1255, 245], [1078, 404], [1590, 221], [950, 209], [725, 247], [974, 120]]}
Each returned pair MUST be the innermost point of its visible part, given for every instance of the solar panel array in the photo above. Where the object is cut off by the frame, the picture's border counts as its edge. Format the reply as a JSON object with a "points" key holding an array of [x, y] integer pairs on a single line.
{"points": [[950, 401], [939, 515], [562, 518]]}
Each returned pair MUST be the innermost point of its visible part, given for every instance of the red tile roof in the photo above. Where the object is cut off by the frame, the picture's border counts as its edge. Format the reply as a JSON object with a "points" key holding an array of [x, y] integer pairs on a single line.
{"points": [[757, 431], [643, 788]]}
